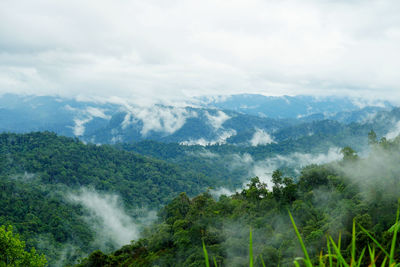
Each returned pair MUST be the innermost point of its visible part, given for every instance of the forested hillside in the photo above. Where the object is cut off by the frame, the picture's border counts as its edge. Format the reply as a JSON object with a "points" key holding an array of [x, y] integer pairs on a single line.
{"points": [[60, 193], [325, 201], [39, 171]]}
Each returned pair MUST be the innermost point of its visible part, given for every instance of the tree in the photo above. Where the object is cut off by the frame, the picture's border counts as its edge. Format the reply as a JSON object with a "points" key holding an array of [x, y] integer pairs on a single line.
{"points": [[348, 153], [13, 253], [372, 139]]}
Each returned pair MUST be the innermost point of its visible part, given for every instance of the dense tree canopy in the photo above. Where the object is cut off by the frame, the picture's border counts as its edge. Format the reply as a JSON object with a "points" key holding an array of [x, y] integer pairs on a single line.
{"points": [[37, 170], [13, 253], [325, 201]]}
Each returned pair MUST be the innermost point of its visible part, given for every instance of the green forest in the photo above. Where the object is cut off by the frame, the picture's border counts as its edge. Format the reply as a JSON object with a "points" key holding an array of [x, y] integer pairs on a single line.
{"points": [[38, 171], [325, 201]]}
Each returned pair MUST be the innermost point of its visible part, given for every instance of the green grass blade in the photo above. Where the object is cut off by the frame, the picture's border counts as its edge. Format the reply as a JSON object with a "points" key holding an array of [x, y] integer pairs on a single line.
{"points": [[321, 260], [353, 244], [393, 246], [340, 258], [251, 249], [329, 252], [296, 264], [205, 255], [361, 257], [384, 262], [372, 255], [375, 241], [262, 261], [215, 262], [339, 246], [303, 247]]}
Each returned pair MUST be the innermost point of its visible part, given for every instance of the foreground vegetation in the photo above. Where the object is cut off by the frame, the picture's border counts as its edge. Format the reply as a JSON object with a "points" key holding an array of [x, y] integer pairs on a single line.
{"points": [[325, 203], [13, 253]]}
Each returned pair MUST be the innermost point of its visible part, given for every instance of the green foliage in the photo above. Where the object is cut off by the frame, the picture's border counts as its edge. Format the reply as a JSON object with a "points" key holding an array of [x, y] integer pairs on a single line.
{"points": [[340, 259], [323, 203], [37, 170], [13, 253]]}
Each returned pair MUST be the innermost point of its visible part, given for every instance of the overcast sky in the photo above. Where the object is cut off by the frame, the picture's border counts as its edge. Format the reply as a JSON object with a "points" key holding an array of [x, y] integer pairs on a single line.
{"points": [[175, 48]]}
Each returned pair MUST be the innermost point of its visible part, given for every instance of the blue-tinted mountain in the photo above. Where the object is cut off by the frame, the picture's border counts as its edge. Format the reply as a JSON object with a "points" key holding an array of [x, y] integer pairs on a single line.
{"points": [[247, 120], [287, 106]]}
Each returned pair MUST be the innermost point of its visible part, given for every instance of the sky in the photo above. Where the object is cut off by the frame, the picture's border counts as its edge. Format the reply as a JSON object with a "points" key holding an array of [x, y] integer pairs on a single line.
{"points": [[182, 48]]}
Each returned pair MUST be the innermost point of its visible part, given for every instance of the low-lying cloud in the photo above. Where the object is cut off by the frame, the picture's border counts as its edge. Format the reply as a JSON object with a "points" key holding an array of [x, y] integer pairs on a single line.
{"points": [[376, 175], [263, 169], [394, 132], [260, 137], [84, 116], [106, 216], [157, 118], [217, 120], [221, 138]]}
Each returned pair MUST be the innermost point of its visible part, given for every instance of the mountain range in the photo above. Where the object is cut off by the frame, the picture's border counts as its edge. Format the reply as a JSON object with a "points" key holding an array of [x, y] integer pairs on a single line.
{"points": [[248, 120]]}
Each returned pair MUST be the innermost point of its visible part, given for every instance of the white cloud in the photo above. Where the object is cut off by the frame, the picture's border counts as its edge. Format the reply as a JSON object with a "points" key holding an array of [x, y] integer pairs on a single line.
{"points": [[220, 139], [369, 117], [158, 118], [217, 120], [222, 191], [207, 154], [264, 168], [97, 112], [85, 116], [261, 137], [106, 217], [79, 127], [394, 132], [149, 50]]}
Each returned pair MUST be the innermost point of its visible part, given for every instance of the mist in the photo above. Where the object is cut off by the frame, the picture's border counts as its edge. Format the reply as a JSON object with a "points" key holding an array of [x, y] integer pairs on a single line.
{"points": [[376, 175], [261, 137], [263, 169], [106, 215]]}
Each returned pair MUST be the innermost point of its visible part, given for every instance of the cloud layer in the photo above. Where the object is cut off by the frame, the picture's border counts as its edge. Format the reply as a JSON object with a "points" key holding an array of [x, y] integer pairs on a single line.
{"points": [[263, 169], [152, 50]]}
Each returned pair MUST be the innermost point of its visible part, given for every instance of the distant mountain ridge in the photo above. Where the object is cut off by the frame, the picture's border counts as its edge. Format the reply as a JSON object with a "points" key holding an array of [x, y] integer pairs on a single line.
{"points": [[295, 107], [249, 120]]}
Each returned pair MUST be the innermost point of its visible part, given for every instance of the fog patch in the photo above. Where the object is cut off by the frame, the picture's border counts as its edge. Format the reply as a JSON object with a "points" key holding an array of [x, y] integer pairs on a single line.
{"points": [[263, 169], [107, 217], [219, 140], [79, 128], [157, 118], [394, 132], [222, 191], [296, 161], [369, 117], [25, 177], [206, 154], [218, 120], [377, 175], [97, 112], [85, 116], [367, 102], [261, 137]]}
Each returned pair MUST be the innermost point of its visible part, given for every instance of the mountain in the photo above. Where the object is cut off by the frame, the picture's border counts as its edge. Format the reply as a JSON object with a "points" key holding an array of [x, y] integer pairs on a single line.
{"points": [[98, 181], [229, 121], [288, 106], [353, 200], [65, 197]]}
